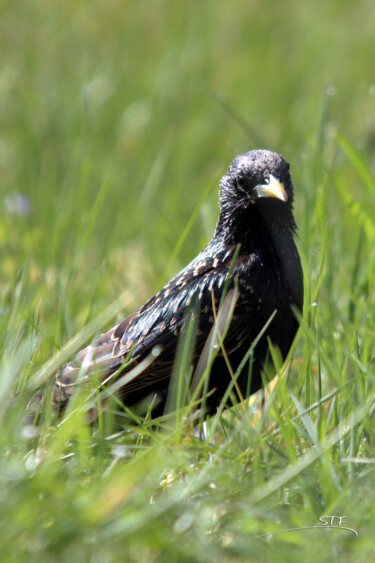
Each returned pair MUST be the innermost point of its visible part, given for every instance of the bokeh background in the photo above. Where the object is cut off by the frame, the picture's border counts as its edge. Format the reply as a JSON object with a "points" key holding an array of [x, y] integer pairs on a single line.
{"points": [[117, 120], [154, 99]]}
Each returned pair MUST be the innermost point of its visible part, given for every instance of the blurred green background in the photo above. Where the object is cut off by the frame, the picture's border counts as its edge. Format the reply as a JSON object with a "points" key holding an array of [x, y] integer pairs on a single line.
{"points": [[156, 98], [117, 120]]}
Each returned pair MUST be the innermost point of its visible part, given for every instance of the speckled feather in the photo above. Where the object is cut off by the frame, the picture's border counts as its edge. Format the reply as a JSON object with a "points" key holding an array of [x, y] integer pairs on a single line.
{"points": [[269, 276]]}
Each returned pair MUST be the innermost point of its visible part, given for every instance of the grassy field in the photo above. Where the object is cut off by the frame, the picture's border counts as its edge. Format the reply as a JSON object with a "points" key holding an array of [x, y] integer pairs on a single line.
{"points": [[117, 121]]}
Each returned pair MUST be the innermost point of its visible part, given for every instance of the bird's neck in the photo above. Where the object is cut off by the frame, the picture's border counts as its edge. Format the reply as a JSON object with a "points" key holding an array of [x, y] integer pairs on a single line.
{"points": [[267, 228], [258, 224]]}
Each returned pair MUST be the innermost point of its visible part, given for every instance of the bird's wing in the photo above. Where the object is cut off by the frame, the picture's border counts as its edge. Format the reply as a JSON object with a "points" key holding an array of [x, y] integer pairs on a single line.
{"points": [[157, 323]]}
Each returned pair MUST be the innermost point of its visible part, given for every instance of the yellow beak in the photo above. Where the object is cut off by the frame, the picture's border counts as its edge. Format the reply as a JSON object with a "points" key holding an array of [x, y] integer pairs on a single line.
{"points": [[274, 188]]}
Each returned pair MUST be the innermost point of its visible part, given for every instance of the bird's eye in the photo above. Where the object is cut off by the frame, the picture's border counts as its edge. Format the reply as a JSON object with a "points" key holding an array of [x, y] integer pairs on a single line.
{"points": [[242, 181]]}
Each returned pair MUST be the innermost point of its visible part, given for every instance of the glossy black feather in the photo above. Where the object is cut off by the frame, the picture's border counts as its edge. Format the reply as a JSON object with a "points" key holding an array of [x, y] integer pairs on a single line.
{"points": [[267, 270]]}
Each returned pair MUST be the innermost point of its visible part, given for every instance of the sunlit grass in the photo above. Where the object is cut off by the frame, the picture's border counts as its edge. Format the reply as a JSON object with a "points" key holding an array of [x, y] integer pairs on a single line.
{"points": [[117, 122]]}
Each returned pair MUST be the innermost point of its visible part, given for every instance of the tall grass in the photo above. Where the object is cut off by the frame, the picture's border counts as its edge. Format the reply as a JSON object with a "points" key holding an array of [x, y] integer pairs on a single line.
{"points": [[117, 121]]}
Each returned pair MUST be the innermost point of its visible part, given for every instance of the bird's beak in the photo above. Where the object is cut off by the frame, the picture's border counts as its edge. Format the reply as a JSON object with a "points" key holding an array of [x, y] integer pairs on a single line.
{"points": [[274, 188]]}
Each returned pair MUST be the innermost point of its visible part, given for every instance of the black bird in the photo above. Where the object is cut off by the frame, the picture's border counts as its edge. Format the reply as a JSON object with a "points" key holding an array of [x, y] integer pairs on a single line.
{"points": [[253, 255]]}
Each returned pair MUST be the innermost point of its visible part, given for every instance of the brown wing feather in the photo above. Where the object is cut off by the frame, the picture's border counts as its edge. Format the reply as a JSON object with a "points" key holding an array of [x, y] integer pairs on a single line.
{"points": [[158, 322]]}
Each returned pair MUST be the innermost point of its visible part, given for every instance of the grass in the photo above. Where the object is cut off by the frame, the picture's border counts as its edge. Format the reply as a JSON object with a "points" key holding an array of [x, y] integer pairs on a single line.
{"points": [[117, 121]]}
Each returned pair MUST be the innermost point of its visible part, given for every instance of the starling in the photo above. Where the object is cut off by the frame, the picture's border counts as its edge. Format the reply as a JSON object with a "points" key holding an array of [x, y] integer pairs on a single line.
{"points": [[253, 255]]}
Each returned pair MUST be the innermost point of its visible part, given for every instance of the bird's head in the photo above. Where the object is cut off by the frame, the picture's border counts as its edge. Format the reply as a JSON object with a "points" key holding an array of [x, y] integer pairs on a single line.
{"points": [[258, 180], [255, 175]]}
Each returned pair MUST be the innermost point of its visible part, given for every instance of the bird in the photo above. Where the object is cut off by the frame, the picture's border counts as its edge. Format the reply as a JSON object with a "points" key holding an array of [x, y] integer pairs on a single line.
{"points": [[252, 260]]}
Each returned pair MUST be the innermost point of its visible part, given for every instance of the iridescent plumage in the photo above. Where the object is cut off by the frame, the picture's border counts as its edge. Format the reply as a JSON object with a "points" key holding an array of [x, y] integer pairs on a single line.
{"points": [[256, 224]]}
